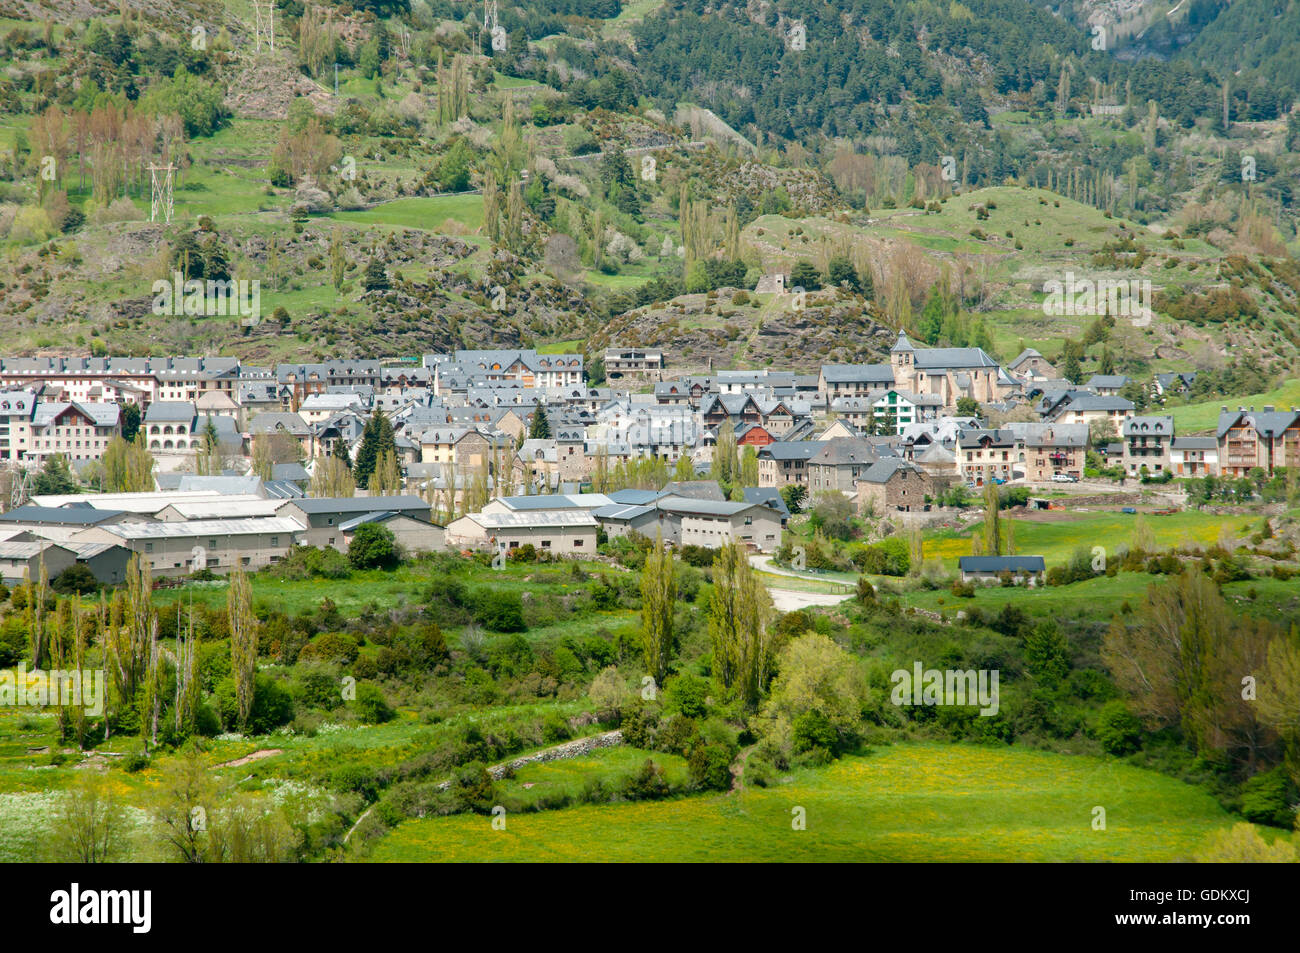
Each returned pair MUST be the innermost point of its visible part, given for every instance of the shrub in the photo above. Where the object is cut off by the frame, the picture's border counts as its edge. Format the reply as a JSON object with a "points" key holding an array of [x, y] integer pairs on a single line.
{"points": [[76, 578], [499, 610], [647, 783], [812, 730], [331, 647], [371, 705], [1118, 729], [1269, 798], [710, 767], [373, 547], [272, 706]]}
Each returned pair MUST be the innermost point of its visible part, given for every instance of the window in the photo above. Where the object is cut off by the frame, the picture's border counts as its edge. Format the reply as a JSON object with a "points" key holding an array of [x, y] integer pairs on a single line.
{"points": [[577, 544], [546, 544], [148, 547]]}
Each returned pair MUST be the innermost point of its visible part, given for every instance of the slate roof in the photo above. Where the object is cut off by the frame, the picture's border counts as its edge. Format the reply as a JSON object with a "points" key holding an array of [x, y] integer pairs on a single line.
{"points": [[1001, 563]]}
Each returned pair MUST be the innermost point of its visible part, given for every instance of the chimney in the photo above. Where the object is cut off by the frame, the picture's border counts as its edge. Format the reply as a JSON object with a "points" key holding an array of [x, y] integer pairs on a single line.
{"points": [[1223, 410]]}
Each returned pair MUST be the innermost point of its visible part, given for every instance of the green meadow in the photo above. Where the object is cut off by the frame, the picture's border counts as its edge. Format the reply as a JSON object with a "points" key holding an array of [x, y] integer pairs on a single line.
{"points": [[1057, 540], [424, 213], [907, 802], [1204, 417]]}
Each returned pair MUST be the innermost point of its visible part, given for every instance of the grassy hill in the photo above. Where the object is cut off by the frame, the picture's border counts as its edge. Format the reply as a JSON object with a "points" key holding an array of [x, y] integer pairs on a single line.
{"points": [[1204, 417], [907, 802]]}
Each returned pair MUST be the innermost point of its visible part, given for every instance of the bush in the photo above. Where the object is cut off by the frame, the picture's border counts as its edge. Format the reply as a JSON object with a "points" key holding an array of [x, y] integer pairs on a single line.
{"points": [[272, 705], [1268, 798], [307, 562], [710, 767], [688, 694], [499, 611], [646, 784], [76, 578], [135, 761], [371, 705], [373, 547], [1118, 730], [331, 647], [812, 730]]}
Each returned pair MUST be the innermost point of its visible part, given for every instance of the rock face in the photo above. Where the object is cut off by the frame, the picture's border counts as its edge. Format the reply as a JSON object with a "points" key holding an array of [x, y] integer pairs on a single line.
{"points": [[699, 335], [264, 88]]}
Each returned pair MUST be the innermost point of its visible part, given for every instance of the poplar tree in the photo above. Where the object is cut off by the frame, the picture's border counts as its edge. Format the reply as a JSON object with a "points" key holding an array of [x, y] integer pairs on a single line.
{"points": [[738, 616], [243, 642], [992, 521], [658, 588]]}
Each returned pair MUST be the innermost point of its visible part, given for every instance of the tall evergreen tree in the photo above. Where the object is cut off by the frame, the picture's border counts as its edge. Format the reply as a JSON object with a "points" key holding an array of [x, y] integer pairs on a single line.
{"points": [[375, 439], [541, 427]]}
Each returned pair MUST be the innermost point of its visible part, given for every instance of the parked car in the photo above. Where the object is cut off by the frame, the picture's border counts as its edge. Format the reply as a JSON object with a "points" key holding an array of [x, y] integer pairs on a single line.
{"points": [[1064, 478], [1129, 509]]}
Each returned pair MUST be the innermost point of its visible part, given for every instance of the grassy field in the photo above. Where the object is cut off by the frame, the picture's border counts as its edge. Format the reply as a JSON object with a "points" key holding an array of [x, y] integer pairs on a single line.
{"points": [[1198, 418], [1098, 599], [1057, 540], [405, 586], [920, 803], [425, 213]]}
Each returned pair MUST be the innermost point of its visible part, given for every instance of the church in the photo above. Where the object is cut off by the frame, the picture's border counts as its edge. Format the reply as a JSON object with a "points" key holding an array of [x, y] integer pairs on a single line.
{"points": [[950, 373]]}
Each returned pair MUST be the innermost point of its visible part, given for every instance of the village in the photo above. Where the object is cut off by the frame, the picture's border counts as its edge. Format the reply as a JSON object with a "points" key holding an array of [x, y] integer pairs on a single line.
{"points": [[500, 449]]}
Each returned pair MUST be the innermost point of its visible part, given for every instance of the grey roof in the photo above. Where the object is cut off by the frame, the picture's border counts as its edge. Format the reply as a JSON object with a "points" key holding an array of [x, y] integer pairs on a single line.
{"points": [[164, 411], [217, 528], [58, 515], [1107, 380], [852, 373], [102, 415], [282, 489], [883, 470], [623, 511], [225, 485], [271, 421], [556, 501], [840, 451], [1194, 443], [1083, 400], [635, 497], [359, 504], [767, 496], [1038, 434], [791, 449], [691, 505], [377, 516], [1268, 422], [940, 358], [1152, 425], [288, 471], [1025, 355], [694, 489], [538, 518], [995, 438], [1001, 563]]}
